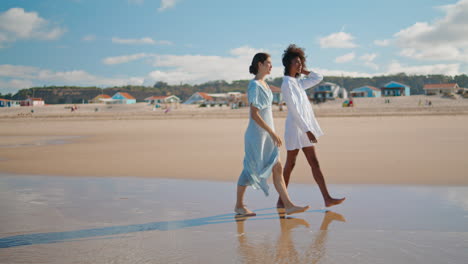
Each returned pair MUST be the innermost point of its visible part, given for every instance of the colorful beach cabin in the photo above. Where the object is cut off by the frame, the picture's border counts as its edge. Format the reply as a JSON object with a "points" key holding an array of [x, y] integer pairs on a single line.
{"points": [[199, 98], [366, 91], [9, 103], [395, 89], [162, 99], [123, 98], [33, 102], [100, 99], [441, 89], [328, 91]]}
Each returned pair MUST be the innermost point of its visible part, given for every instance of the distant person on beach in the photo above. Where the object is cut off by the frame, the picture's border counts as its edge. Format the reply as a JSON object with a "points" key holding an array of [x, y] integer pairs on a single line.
{"points": [[261, 142], [302, 128]]}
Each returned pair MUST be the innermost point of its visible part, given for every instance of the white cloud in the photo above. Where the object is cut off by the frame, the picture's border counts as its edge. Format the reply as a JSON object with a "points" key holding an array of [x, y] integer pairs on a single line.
{"points": [[14, 71], [345, 58], [15, 77], [89, 38], [368, 60], [140, 41], [124, 59], [12, 86], [328, 72], [195, 69], [447, 69], [445, 39], [338, 40], [165, 4], [16, 24], [382, 43]]}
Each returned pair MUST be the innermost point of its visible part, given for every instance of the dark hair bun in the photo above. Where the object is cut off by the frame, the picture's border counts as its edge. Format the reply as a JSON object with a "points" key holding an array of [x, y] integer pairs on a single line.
{"points": [[252, 69]]}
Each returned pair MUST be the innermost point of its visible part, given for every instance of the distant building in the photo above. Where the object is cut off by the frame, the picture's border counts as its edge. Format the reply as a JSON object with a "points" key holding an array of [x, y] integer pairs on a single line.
{"points": [[9, 103], [99, 99], [32, 102], [366, 91], [277, 96], [441, 88], [199, 98], [328, 91], [395, 89], [123, 98], [4, 102], [162, 99]]}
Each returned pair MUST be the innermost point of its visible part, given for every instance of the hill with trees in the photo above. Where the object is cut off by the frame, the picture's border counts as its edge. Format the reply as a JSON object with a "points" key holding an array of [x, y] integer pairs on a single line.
{"points": [[75, 94]]}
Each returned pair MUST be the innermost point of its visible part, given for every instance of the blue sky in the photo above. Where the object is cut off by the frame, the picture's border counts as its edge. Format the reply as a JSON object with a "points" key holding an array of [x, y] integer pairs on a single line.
{"points": [[119, 42]]}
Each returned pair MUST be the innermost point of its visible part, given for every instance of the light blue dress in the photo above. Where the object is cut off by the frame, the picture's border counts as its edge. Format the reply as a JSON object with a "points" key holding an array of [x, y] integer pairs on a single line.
{"points": [[261, 154]]}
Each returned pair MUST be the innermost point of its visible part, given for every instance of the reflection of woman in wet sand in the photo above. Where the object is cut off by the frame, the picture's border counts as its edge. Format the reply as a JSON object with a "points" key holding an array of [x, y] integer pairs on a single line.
{"points": [[302, 128], [285, 249], [261, 142]]}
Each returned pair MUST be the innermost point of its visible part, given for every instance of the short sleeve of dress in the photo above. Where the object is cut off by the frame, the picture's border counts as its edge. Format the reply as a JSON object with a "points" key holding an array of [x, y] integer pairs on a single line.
{"points": [[256, 96]]}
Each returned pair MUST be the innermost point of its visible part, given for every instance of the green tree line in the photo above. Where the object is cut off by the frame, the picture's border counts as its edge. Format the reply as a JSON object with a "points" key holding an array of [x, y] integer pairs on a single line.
{"points": [[76, 94]]}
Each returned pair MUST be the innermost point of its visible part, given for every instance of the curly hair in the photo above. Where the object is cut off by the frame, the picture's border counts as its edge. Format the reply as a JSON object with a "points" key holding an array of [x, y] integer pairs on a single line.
{"points": [[259, 57], [289, 54]]}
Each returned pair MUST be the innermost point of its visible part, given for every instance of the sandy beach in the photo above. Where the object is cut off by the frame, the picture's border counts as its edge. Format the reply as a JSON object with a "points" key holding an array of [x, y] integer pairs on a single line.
{"points": [[373, 143], [130, 185]]}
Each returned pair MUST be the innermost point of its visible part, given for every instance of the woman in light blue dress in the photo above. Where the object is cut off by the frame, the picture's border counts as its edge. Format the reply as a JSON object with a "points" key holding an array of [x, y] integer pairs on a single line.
{"points": [[261, 142]]}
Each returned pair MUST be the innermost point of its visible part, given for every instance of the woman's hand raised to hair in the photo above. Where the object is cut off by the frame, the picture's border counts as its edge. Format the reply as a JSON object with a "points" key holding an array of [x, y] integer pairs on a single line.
{"points": [[305, 71]]}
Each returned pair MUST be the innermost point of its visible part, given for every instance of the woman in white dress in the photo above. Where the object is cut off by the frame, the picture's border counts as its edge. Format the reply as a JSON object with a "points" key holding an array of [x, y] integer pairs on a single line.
{"points": [[302, 129]]}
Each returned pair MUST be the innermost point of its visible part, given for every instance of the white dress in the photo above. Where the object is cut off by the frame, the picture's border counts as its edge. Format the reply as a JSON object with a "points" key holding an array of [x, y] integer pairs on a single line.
{"points": [[301, 118]]}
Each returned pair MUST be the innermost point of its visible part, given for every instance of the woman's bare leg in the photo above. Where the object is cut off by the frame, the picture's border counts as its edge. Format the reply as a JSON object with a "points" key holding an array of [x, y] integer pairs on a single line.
{"points": [[283, 193], [240, 207], [318, 176], [288, 167]]}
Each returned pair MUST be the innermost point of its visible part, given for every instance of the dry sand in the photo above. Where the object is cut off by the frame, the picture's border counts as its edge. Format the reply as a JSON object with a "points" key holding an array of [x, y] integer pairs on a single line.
{"points": [[430, 147]]}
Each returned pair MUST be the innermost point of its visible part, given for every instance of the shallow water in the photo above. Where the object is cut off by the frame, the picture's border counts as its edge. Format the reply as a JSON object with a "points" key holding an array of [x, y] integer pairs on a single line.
{"points": [[133, 220]]}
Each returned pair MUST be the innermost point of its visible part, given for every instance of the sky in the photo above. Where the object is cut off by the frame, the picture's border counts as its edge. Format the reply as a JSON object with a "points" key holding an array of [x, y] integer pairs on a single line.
{"points": [[139, 42]]}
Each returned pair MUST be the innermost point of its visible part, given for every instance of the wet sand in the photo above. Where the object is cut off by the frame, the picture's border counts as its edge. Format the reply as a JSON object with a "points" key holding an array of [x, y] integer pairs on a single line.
{"points": [[425, 150], [134, 220]]}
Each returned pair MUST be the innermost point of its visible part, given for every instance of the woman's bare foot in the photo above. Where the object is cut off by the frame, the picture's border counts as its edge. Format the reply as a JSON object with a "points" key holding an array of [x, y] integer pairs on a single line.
{"points": [[296, 209], [332, 201], [243, 211]]}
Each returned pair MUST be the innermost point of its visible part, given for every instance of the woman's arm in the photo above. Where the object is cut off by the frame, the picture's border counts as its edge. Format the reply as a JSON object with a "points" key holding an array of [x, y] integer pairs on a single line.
{"points": [[312, 79], [261, 123]]}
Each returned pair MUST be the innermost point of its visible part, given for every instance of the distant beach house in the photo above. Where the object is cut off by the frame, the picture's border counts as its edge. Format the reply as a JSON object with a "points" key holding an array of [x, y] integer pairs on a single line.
{"points": [[366, 91], [214, 98], [328, 91], [162, 99], [199, 98], [441, 88], [99, 99], [123, 98], [9, 103], [277, 97], [32, 102], [4, 102], [395, 89]]}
